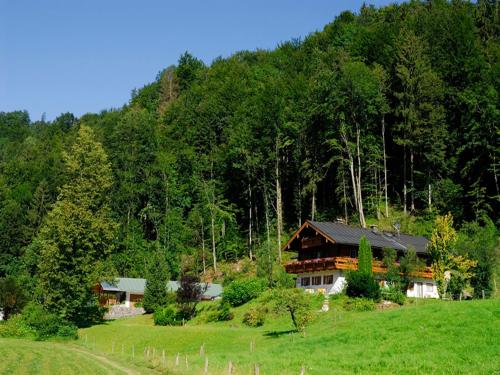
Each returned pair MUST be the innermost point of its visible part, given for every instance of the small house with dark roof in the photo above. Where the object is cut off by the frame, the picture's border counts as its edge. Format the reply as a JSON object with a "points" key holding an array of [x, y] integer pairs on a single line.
{"points": [[130, 291], [326, 250]]}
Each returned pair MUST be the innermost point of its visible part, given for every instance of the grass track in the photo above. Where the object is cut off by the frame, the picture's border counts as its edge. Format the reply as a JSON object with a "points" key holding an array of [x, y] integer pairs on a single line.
{"points": [[22, 357]]}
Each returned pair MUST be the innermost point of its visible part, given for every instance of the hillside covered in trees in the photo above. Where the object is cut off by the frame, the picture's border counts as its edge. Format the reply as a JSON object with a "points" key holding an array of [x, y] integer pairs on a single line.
{"points": [[385, 115]]}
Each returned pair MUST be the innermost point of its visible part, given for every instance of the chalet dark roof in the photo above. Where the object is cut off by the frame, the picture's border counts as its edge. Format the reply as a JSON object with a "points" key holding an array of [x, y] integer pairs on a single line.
{"points": [[349, 235]]}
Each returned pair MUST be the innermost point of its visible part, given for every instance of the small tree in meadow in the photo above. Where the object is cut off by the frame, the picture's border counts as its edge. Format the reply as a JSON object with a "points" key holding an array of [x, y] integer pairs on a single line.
{"points": [[297, 303], [189, 294]]}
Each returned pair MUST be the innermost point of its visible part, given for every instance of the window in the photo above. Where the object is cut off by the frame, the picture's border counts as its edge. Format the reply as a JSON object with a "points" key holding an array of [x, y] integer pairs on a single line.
{"points": [[316, 280], [328, 279], [354, 253], [429, 287], [305, 281]]}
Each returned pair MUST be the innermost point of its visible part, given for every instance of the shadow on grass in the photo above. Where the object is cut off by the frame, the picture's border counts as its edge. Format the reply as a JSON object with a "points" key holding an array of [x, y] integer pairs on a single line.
{"points": [[276, 334]]}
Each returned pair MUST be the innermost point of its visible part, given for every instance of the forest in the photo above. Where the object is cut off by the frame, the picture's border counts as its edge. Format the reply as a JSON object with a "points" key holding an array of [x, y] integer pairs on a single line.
{"points": [[386, 115]]}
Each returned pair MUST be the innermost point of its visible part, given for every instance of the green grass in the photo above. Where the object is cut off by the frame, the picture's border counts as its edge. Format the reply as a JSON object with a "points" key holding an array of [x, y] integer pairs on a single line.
{"points": [[430, 337], [36, 357]]}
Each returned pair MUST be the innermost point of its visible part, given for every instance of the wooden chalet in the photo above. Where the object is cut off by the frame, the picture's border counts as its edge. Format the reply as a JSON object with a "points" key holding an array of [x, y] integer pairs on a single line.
{"points": [[325, 250]]}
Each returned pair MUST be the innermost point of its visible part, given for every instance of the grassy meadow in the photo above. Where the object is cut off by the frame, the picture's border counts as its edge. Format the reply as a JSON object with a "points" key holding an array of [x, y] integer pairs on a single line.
{"points": [[427, 337]]}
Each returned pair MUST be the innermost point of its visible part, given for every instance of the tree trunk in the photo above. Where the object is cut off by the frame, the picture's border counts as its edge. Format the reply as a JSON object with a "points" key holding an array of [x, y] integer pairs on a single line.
{"points": [[250, 255], [404, 179], [279, 212], [412, 182], [430, 198], [214, 254], [385, 169], [313, 203], [345, 193], [203, 247], [360, 198]]}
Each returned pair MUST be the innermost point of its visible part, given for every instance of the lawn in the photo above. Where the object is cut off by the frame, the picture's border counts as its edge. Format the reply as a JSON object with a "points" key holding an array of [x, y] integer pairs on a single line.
{"points": [[430, 337], [35, 357]]}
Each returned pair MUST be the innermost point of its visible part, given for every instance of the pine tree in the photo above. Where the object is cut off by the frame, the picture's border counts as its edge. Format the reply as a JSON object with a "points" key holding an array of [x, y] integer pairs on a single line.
{"points": [[156, 292], [77, 235], [365, 257]]}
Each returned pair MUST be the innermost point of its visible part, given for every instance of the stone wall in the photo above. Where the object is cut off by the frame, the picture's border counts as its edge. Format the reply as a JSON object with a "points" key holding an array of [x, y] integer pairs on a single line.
{"points": [[122, 311]]}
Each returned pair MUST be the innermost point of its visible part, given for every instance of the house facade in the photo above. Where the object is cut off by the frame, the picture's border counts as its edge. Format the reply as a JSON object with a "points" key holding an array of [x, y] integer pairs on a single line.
{"points": [[326, 251], [130, 291]]}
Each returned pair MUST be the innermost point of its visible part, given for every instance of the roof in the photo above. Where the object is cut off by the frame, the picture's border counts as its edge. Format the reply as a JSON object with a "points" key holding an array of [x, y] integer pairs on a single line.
{"points": [[137, 286], [349, 235]]}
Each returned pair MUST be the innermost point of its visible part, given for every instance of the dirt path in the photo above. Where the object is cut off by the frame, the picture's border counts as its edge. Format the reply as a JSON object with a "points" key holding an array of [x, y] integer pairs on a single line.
{"points": [[103, 360]]}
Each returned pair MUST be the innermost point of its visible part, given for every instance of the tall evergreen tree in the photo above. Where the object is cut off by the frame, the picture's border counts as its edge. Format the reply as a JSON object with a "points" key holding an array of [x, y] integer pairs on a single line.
{"points": [[78, 234]]}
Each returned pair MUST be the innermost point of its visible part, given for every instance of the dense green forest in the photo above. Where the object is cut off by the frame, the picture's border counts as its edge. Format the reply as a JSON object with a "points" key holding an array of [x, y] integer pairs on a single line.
{"points": [[387, 114]]}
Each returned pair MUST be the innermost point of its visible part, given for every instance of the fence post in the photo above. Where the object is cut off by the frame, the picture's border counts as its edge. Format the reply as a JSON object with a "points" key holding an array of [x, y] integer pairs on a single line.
{"points": [[133, 351], [163, 357], [202, 350], [177, 360], [230, 368], [206, 366], [187, 363], [302, 370], [256, 369]]}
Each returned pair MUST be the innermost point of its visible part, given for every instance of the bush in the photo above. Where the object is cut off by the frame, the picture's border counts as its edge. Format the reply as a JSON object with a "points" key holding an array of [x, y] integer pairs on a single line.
{"points": [[15, 327], [361, 284], [46, 324], [359, 304], [221, 314], [36, 322], [167, 316], [394, 295], [241, 291], [255, 316]]}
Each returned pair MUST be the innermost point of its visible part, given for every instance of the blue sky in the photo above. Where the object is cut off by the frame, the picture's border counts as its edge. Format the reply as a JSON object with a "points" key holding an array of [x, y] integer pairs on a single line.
{"points": [[83, 56]]}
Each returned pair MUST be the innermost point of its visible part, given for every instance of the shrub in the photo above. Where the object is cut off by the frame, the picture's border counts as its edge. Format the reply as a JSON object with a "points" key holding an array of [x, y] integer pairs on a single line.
{"points": [[189, 294], [359, 304], [241, 291], [395, 295], [255, 316], [167, 316], [45, 324], [361, 284], [221, 314], [15, 327]]}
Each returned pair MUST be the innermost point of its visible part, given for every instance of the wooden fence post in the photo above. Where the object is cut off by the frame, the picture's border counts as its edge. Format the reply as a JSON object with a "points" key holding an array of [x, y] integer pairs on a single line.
{"points": [[230, 368], [256, 369], [133, 351], [187, 363], [177, 360], [302, 370], [202, 349], [163, 357], [206, 366]]}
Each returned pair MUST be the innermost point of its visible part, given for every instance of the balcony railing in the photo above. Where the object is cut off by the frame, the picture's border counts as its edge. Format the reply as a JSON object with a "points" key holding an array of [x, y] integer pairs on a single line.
{"points": [[343, 263]]}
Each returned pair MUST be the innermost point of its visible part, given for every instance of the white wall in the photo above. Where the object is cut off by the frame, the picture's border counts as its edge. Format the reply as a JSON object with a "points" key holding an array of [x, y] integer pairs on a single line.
{"points": [[336, 287], [427, 287], [423, 288]]}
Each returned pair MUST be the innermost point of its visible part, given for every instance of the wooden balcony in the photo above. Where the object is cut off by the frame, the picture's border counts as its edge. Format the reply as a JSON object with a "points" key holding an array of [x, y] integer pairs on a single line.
{"points": [[342, 263]]}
